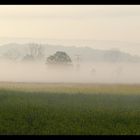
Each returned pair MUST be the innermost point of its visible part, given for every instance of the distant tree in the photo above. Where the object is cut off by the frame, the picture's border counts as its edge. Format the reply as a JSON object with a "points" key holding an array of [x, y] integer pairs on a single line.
{"points": [[35, 52], [59, 58]]}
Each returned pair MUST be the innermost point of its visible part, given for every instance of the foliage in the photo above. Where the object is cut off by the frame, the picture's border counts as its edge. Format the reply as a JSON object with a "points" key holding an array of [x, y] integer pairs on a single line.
{"points": [[60, 58]]}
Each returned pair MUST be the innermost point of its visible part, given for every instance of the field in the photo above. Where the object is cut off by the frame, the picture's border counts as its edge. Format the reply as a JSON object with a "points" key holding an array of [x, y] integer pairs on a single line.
{"points": [[69, 109]]}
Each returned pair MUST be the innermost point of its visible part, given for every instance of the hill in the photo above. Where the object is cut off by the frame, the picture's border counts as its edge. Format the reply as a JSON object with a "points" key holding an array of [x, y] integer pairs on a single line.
{"points": [[16, 51]]}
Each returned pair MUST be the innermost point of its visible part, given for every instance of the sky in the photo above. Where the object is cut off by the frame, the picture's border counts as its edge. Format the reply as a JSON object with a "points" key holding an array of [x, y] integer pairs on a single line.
{"points": [[73, 22], [89, 22]]}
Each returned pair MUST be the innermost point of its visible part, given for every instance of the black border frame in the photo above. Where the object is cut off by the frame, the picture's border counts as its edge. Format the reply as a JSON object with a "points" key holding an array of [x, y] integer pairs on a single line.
{"points": [[66, 2]]}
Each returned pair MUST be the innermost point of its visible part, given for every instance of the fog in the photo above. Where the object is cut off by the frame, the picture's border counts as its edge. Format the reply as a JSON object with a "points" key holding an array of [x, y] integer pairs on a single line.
{"points": [[87, 73]]}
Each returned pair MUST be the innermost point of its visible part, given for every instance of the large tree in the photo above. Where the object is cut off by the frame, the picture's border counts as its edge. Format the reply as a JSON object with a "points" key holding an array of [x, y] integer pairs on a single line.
{"points": [[59, 58]]}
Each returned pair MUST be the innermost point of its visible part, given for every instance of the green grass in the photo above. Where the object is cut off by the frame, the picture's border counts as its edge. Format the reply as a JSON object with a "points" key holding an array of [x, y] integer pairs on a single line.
{"points": [[69, 109]]}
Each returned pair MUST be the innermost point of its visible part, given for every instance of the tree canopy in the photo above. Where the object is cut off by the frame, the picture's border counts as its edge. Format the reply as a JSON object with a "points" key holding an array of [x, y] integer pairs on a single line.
{"points": [[59, 58]]}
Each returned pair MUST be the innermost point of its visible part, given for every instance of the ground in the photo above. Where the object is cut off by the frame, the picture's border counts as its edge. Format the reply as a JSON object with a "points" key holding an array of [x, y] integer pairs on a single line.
{"points": [[69, 109]]}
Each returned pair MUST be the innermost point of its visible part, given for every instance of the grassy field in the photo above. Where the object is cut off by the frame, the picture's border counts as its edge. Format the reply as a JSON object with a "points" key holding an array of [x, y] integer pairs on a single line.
{"points": [[69, 109]]}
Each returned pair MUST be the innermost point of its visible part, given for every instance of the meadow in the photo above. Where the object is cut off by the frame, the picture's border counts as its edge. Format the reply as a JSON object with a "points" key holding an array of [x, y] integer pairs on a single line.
{"points": [[69, 109]]}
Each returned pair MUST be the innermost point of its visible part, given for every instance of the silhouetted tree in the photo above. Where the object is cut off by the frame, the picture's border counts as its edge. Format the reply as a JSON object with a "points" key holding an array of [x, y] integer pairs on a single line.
{"points": [[59, 58]]}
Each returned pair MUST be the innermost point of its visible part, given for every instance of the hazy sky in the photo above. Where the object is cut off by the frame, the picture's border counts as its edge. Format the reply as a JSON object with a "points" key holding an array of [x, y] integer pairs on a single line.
{"points": [[98, 22]]}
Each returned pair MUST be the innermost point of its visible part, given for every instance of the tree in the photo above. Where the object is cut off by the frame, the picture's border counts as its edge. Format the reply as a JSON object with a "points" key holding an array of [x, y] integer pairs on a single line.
{"points": [[35, 52], [59, 58]]}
